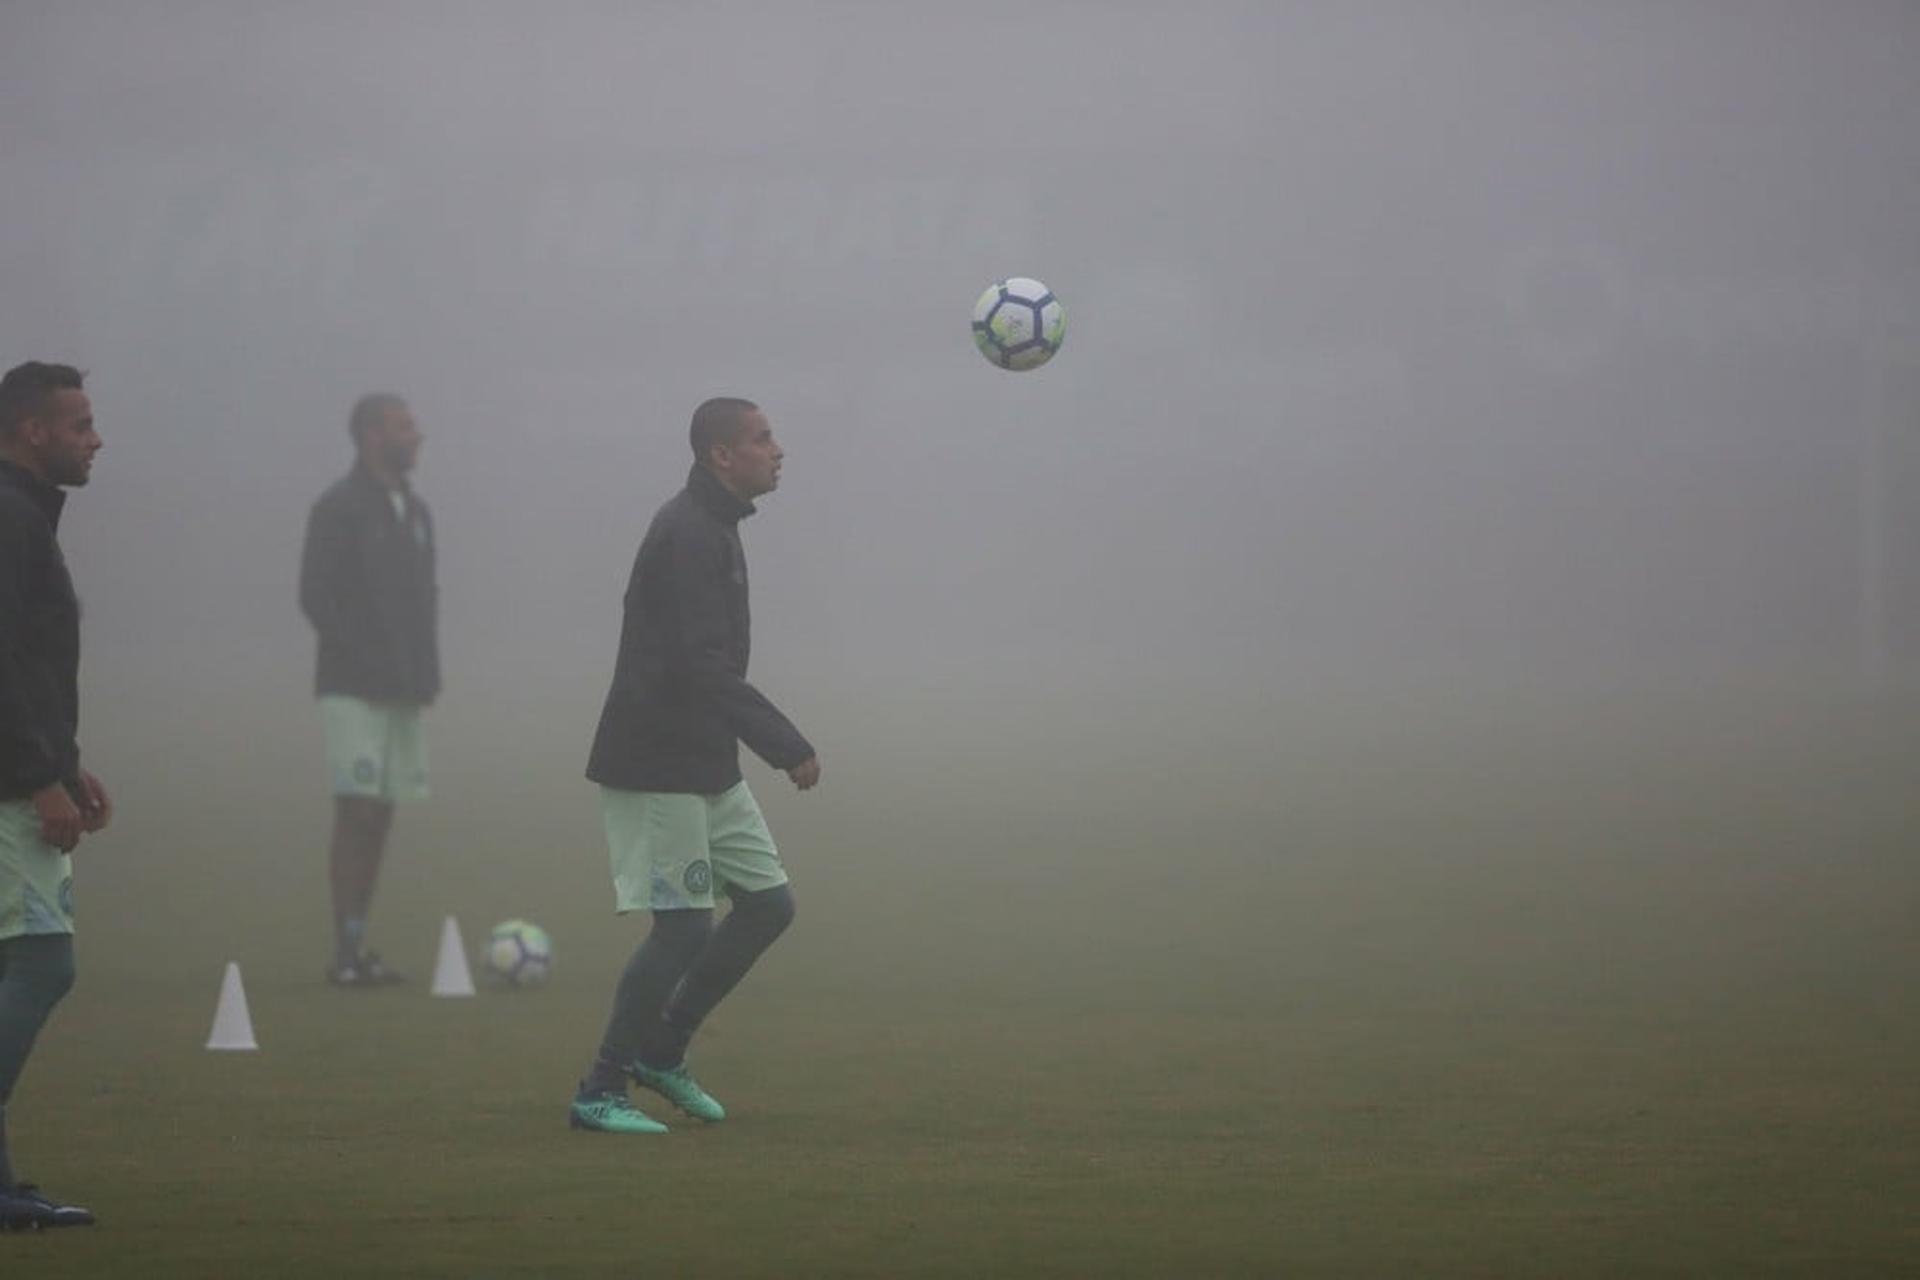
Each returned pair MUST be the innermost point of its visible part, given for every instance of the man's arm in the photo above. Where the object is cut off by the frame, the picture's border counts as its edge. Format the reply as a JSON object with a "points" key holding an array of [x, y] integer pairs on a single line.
{"points": [[34, 746], [320, 557], [30, 743], [705, 632], [326, 572]]}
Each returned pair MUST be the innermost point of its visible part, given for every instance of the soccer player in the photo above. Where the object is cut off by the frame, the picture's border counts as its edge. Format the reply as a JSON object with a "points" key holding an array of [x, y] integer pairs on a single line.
{"points": [[47, 801], [681, 824], [367, 585]]}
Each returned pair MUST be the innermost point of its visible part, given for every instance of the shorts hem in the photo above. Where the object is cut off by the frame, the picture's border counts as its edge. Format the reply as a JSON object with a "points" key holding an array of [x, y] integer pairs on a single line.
{"points": [[8, 935]]}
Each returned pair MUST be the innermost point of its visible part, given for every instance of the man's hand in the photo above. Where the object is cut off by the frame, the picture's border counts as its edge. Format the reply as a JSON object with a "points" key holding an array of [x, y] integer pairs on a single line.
{"points": [[61, 821], [806, 773], [96, 809]]}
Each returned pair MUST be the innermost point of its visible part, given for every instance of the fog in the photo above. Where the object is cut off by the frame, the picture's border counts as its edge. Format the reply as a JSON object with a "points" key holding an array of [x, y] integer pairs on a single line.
{"points": [[1410, 346], [1403, 732]]}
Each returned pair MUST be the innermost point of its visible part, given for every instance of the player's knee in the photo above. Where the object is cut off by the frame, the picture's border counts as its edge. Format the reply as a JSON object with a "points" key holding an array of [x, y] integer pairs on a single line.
{"points": [[60, 977], [367, 818], [46, 969], [773, 909]]}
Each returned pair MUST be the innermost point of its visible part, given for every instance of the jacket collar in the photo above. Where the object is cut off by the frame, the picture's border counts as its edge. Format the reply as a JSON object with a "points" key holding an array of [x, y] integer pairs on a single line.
{"points": [[363, 476], [47, 497], [716, 497]]}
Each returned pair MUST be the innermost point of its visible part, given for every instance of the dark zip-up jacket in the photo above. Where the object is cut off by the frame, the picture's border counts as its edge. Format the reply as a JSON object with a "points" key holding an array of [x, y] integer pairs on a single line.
{"points": [[367, 585], [39, 640], [680, 704]]}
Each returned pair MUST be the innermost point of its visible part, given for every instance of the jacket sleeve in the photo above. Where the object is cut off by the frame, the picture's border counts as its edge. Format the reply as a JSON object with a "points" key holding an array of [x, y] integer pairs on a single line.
{"points": [[325, 564], [27, 742], [704, 639]]}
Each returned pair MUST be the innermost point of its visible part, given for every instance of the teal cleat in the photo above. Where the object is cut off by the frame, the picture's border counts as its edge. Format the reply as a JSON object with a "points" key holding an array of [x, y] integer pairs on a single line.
{"points": [[610, 1113], [678, 1087]]}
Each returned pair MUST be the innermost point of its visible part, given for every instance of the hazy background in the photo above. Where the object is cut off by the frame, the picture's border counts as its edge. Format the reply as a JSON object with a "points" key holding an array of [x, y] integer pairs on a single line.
{"points": [[1415, 352], [1414, 706]]}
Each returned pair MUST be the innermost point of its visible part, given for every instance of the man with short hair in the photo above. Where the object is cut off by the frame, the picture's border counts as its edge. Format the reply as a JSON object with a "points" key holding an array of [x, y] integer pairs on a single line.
{"points": [[681, 824], [367, 586], [47, 801]]}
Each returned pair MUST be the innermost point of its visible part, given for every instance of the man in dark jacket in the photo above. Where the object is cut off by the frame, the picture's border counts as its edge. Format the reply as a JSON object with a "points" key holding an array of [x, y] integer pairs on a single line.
{"points": [[681, 823], [367, 585], [47, 801]]}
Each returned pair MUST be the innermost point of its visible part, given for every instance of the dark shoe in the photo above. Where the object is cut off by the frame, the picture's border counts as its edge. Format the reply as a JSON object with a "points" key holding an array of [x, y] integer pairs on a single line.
{"points": [[375, 972], [365, 970], [23, 1208], [344, 973]]}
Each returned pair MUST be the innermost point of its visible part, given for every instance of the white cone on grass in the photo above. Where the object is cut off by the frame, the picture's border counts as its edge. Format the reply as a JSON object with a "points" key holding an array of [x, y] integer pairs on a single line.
{"points": [[451, 977], [232, 1024]]}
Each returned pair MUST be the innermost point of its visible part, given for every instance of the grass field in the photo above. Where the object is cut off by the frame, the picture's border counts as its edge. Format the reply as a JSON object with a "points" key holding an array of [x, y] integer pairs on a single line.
{"points": [[1558, 986]]}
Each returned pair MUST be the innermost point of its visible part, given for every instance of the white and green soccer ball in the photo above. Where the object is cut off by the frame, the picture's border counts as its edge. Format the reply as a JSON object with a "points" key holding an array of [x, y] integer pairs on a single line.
{"points": [[518, 954], [1018, 323]]}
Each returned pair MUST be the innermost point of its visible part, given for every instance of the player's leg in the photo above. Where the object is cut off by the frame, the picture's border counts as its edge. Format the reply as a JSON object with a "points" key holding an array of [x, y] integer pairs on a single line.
{"points": [[403, 779], [657, 848], [757, 918], [375, 755], [744, 860], [747, 863], [36, 972], [656, 969], [360, 827], [6, 1158]]}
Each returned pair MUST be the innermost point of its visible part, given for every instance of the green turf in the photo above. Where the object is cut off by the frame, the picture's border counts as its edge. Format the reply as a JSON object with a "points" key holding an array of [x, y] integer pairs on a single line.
{"points": [[1562, 987]]}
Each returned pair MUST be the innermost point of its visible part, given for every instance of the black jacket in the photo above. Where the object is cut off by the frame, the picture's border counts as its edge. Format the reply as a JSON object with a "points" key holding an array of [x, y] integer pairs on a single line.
{"points": [[680, 704], [39, 640], [367, 585]]}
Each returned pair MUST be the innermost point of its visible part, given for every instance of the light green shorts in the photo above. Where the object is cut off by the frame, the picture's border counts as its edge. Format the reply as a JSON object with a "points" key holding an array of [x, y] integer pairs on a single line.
{"points": [[375, 750], [36, 879], [672, 850]]}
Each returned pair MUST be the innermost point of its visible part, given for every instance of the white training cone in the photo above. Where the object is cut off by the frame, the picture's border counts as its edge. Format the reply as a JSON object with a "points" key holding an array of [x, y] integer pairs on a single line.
{"points": [[451, 977], [232, 1024]]}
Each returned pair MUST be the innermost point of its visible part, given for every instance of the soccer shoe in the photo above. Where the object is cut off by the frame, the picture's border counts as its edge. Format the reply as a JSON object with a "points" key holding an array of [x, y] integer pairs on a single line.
{"points": [[610, 1113], [678, 1087], [365, 970], [23, 1208], [376, 971]]}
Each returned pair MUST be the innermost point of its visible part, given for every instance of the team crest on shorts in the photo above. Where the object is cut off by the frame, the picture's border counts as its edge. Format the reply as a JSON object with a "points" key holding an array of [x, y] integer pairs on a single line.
{"points": [[698, 877]]}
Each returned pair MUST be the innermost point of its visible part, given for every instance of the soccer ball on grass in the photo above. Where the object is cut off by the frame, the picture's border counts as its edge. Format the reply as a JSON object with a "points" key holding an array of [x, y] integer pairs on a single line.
{"points": [[518, 954]]}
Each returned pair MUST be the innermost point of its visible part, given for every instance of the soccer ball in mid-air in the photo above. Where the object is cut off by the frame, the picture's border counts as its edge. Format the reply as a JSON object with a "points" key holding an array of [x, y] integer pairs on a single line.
{"points": [[1018, 323], [518, 954]]}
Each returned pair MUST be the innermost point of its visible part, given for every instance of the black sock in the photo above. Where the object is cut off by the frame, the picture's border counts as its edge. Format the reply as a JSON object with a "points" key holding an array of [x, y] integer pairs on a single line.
{"points": [[749, 929], [350, 942], [604, 1077], [6, 1165], [36, 970], [650, 977]]}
